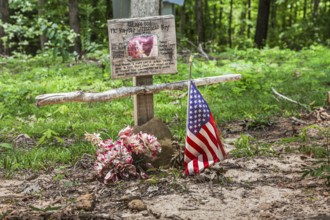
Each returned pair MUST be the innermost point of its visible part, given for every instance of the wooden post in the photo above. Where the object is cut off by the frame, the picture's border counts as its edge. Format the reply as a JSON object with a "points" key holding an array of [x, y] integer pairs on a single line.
{"points": [[328, 100], [144, 103]]}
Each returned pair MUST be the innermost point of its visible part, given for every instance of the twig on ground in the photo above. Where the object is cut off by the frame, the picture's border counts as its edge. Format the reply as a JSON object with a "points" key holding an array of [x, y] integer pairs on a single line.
{"points": [[290, 100], [299, 121]]}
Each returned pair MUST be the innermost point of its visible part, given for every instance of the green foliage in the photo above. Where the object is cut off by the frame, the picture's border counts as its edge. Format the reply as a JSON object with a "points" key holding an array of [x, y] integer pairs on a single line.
{"points": [[304, 132], [23, 77], [49, 135], [293, 24], [60, 37], [6, 146], [245, 148], [43, 157], [321, 168]]}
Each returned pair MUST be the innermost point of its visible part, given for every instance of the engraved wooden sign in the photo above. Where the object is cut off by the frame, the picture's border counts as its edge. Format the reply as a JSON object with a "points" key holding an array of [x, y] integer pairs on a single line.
{"points": [[142, 46]]}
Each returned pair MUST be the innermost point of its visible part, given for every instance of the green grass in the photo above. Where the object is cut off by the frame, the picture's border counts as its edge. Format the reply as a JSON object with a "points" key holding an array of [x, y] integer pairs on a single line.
{"points": [[43, 157], [303, 76], [244, 147]]}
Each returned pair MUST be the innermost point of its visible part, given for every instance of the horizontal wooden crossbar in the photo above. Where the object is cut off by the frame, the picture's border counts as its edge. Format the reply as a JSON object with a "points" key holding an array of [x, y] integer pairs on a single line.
{"points": [[81, 96]]}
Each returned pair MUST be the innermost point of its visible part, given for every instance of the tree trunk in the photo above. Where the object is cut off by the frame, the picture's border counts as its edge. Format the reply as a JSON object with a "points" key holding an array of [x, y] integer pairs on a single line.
{"points": [[295, 18], [273, 26], [199, 20], [206, 19], [305, 9], [220, 15], [4, 17], [214, 23], [93, 18], [243, 19], [41, 13], [290, 14], [249, 19], [284, 14], [230, 19], [316, 8], [182, 18], [74, 24], [262, 23], [108, 9]]}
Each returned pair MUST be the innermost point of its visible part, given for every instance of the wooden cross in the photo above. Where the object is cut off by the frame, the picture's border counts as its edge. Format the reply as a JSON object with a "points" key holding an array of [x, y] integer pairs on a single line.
{"points": [[143, 103], [143, 88]]}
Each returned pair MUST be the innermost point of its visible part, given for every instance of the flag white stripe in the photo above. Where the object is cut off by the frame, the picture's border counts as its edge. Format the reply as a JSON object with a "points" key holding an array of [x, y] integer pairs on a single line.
{"points": [[200, 163], [213, 132], [200, 144], [212, 145], [192, 150], [190, 167]]}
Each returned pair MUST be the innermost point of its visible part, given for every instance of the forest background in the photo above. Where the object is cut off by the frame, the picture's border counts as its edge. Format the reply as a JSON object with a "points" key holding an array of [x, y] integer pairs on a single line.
{"points": [[61, 26]]}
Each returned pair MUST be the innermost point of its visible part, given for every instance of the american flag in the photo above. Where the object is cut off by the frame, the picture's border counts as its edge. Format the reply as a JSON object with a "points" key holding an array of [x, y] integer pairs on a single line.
{"points": [[203, 145]]}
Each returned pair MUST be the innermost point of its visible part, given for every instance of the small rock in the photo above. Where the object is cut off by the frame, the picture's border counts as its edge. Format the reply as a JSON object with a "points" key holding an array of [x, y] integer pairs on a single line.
{"points": [[155, 214], [265, 215], [145, 213], [325, 194], [34, 188], [204, 201], [265, 206], [159, 129], [86, 202], [90, 177], [137, 204], [23, 141], [128, 198], [152, 189], [155, 127], [32, 177]]}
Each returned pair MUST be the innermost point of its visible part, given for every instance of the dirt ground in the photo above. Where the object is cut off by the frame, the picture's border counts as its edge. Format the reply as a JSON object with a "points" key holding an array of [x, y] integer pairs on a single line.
{"points": [[261, 187]]}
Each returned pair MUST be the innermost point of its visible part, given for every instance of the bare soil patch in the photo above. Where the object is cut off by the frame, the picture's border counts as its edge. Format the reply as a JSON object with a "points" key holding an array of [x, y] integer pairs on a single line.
{"points": [[239, 188]]}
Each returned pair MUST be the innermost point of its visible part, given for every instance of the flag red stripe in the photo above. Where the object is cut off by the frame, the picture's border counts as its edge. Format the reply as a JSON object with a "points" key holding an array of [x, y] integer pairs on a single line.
{"points": [[204, 140], [189, 155], [217, 146], [205, 161], [212, 138], [196, 167], [194, 145], [214, 147], [213, 123]]}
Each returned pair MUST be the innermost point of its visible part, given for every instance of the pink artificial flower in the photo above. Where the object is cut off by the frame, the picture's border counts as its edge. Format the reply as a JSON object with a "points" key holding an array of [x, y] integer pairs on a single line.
{"points": [[125, 133], [94, 138], [110, 176], [98, 167], [114, 158]]}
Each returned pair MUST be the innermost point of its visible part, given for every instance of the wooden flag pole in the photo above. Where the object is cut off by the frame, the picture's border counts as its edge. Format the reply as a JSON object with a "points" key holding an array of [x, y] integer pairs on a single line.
{"points": [[190, 62]]}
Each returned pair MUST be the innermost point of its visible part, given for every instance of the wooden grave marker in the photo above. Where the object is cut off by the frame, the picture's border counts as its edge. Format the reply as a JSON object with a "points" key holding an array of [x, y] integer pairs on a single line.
{"points": [[140, 48]]}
